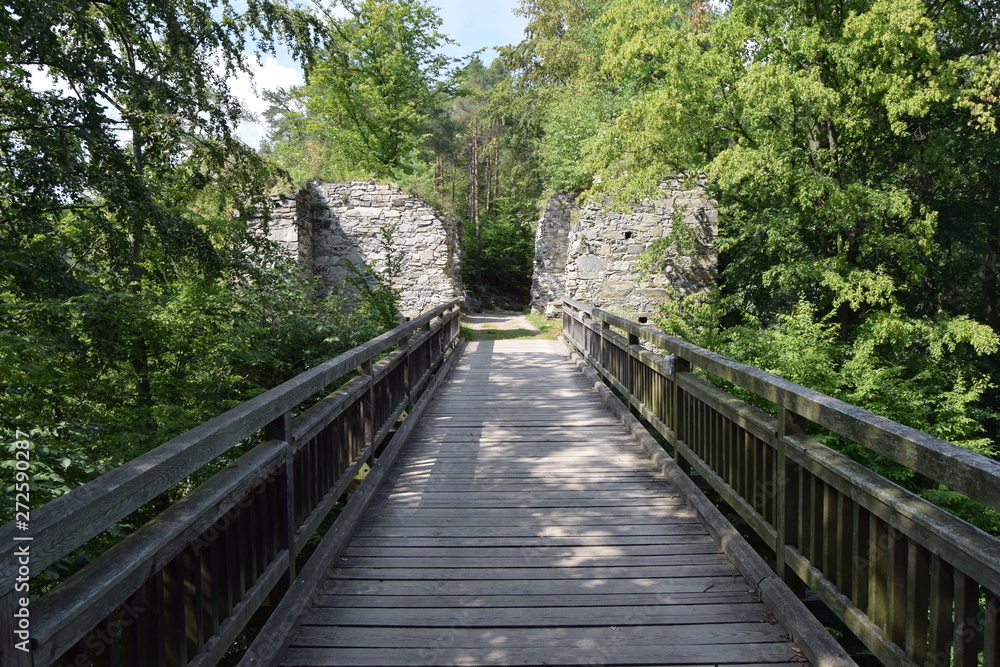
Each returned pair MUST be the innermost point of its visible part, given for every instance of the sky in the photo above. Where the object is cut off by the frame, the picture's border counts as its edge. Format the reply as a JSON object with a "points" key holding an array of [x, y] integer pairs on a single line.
{"points": [[474, 24]]}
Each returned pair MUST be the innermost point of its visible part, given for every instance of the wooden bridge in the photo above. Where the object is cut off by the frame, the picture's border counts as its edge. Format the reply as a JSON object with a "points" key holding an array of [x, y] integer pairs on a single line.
{"points": [[522, 508]]}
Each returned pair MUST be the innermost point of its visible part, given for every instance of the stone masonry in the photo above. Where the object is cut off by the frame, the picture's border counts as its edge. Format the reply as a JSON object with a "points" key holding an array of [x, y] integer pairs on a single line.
{"points": [[592, 254], [328, 227]]}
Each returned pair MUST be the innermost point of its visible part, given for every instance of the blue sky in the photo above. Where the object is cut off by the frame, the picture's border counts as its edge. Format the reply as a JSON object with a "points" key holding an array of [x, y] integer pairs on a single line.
{"points": [[474, 24], [480, 23]]}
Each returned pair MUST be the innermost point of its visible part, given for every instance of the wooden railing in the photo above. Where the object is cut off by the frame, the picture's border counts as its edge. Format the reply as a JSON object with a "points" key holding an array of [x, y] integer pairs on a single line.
{"points": [[915, 583], [184, 586]]}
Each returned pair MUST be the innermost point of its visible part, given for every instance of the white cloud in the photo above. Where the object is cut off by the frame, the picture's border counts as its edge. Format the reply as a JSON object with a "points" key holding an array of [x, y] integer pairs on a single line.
{"points": [[269, 75]]}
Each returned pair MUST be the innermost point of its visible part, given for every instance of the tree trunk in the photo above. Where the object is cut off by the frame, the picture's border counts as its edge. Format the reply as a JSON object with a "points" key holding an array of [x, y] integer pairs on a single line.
{"points": [[139, 348], [474, 202], [990, 278]]}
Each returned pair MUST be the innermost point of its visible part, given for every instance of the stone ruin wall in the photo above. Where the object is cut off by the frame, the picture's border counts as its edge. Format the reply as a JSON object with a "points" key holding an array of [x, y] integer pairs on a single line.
{"points": [[592, 254], [327, 227]]}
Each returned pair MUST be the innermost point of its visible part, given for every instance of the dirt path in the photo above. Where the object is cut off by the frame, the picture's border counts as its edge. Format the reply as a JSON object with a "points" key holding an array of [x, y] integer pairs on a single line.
{"points": [[500, 320], [507, 325]]}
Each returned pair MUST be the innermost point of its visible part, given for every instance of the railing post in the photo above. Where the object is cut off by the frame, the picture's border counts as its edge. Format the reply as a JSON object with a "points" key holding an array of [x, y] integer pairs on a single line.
{"points": [[281, 429], [786, 489], [675, 366]]}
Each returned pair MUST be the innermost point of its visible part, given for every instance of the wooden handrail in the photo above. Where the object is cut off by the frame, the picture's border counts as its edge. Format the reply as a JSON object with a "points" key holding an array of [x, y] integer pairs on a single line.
{"points": [[915, 583], [182, 587]]}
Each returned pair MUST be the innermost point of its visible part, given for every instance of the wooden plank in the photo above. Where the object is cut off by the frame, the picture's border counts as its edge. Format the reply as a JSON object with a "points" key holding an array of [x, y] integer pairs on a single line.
{"points": [[650, 634], [518, 563], [588, 653], [490, 529], [702, 585], [493, 542], [505, 617], [595, 576], [524, 503], [551, 602], [458, 498], [519, 514], [518, 484]]}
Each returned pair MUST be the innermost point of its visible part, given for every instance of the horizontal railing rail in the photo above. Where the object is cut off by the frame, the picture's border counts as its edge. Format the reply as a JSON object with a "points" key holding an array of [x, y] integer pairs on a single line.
{"points": [[913, 582], [182, 588]]}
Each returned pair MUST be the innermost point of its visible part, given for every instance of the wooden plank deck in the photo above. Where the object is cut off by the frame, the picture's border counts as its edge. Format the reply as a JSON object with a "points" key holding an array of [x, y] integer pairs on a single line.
{"points": [[523, 526]]}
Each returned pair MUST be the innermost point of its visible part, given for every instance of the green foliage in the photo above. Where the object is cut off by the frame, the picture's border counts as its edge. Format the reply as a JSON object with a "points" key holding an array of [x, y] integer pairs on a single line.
{"points": [[504, 249], [130, 307], [368, 97], [842, 142]]}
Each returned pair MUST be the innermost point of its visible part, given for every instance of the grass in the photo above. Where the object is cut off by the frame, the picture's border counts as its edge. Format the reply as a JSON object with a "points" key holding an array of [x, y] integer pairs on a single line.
{"points": [[547, 330]]}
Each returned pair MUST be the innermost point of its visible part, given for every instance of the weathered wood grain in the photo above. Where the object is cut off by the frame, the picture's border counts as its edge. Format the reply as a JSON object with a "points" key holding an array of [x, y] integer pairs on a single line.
{"points": [[587, 652], [72, 519], [523, 525]]}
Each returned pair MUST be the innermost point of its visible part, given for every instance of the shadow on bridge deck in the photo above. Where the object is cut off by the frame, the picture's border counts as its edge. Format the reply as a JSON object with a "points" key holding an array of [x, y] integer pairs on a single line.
{"points": [[523, 525]]}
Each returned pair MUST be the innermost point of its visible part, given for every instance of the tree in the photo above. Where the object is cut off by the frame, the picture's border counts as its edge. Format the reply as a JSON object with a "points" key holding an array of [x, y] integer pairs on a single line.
{"points": [[122, 188], [852, 148], [369, 96]]}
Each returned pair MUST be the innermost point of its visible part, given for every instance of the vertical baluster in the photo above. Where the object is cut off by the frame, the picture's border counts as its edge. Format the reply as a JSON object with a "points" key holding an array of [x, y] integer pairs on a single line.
{"points": [[766, 480], [941, 612], [831, 524], [861, 567], [630, 379], [173, 608], [129, 639], [739, 447], [110, 653], [817, 490], [878, 596], [281, 429], [234, 561], [991, 630], [757, 485], [968, 628], [788, 496], [806, 515], [193, 626], [248, 524], [367, 409], [726, 436], [684, 419], [214, 564], [715, 440], [898, 558], [680, 401], [80, 654], [843, 547], [918, 595]]}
